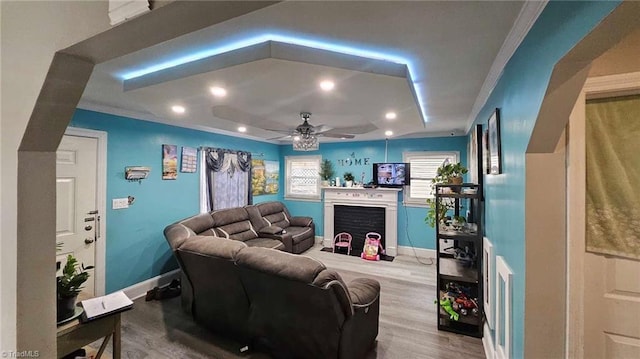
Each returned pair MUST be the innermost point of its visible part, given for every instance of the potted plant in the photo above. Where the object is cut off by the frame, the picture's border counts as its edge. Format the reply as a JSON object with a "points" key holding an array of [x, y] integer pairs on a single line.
{"points": [[326, 172], [447, 173], [450, 173], [69, 285], [348, 179]]}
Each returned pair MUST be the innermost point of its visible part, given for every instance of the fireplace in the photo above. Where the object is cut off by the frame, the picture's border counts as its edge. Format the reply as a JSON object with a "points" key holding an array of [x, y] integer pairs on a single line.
{"points": [[359, 211], [358, 221]]}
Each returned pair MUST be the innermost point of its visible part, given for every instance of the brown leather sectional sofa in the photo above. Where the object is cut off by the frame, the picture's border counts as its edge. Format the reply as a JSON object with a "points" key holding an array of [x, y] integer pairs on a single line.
{"points": [[287, 305], [267, 224]]}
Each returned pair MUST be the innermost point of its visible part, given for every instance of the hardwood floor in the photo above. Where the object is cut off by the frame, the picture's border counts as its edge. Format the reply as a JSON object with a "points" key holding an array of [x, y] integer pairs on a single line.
{"points": [[159, 329]]}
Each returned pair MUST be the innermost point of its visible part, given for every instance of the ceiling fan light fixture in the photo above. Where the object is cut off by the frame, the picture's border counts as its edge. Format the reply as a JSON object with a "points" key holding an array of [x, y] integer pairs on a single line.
{"points": [[305, 143]]}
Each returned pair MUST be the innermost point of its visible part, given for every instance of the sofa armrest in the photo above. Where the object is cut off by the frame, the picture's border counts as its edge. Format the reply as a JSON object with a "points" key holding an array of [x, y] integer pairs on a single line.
{"points": [[270, 230], [285, 238], [361, 329], [363, 291], [301, 221]]}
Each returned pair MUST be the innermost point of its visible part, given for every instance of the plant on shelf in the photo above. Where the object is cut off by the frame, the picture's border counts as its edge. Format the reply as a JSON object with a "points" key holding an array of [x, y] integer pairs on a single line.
{"points": [[326, 171], [450, 173], [447, 173], [348, 179], [69, 285]]}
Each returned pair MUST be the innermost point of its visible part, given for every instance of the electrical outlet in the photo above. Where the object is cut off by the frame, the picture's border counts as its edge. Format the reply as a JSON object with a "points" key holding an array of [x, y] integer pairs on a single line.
{"points": [[120, 203]]}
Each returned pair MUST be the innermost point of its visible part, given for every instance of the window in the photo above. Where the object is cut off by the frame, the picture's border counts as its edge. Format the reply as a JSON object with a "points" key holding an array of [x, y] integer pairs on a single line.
{"points": [[302, 180], [423, 169]]}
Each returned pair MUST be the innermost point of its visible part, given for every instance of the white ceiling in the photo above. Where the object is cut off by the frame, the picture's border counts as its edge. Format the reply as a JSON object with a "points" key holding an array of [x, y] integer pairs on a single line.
{"points": [[449, 48]]}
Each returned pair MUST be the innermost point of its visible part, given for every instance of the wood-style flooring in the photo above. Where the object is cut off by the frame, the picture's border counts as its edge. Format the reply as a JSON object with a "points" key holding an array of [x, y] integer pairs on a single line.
{"points": [[159, 329]]}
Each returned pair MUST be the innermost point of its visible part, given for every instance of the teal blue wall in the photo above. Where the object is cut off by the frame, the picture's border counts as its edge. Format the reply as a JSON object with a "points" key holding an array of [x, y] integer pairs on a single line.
{"points": [[412, 230], [136, 248], [519, 94]]}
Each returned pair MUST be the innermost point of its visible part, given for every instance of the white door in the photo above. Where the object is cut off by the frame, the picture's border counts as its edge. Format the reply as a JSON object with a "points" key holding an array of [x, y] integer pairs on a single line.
{"points": [[611, 307], [604, 291], [77, 219]]}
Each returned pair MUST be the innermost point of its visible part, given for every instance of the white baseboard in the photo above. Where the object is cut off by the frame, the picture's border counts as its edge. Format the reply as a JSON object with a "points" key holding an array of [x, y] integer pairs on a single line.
{"points": [[420, 252], [140, 289], [487, 343], [319, 240]]}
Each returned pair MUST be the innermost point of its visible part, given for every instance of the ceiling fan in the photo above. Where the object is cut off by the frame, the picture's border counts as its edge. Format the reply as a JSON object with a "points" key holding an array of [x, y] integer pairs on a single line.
{"points": [[306, 130]]}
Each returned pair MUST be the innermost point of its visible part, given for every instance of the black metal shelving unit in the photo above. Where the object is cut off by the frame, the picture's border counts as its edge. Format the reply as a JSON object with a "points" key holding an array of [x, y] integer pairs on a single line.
{"points": [[459, 259]]}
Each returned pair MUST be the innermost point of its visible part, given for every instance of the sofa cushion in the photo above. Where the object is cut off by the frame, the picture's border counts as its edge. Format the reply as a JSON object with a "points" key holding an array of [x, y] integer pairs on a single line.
{"points": [[274, 213], [213, 247], [265, 243], [233, 223], [282, 264]]}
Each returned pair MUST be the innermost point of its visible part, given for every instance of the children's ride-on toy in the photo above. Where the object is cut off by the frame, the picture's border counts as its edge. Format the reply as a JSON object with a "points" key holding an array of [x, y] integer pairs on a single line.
{"points": [[372, 247]]}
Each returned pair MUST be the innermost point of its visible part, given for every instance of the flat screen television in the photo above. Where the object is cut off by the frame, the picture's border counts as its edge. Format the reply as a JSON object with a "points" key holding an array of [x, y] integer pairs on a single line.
{"points": [[391, 174]]}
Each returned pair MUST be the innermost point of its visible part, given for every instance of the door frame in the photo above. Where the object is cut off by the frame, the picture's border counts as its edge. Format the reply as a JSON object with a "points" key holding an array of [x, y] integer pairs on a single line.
{"points": [[101, 203], [595, 87]]}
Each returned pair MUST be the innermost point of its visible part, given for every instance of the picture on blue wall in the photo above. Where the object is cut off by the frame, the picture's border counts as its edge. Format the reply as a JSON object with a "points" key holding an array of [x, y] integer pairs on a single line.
{"points": [[264, 177], [169, 162], [495, 166], [189, 162]]}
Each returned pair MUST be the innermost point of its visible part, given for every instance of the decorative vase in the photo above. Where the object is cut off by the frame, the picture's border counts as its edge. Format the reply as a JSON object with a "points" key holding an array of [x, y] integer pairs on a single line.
{"points": [[66, 307], [348, 183]]}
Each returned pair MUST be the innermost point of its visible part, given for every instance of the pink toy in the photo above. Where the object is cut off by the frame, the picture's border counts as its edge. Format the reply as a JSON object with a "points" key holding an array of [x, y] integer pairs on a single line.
{"points": [[372, 247], [342, 240]]}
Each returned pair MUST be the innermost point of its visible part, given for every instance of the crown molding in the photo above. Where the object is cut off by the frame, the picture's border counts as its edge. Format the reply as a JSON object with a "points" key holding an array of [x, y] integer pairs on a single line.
{"points": [[612, 85], [528, 15]]}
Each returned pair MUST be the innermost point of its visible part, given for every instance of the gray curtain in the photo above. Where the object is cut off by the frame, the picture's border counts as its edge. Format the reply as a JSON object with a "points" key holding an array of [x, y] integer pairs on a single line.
{"points": [[228, 176]]}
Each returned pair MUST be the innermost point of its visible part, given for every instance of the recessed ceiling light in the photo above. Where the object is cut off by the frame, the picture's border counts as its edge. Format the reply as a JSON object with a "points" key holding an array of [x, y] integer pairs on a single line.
{"points": [[242, 129], [218, 91], [390, 115], [178, 109], [388, 133], [327, 85]]}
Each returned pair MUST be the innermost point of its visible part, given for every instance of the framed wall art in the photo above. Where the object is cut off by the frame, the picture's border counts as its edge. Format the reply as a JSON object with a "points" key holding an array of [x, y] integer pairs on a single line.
{"points": [[475, 155], [189, 163], [169, 162], [495, 161]]}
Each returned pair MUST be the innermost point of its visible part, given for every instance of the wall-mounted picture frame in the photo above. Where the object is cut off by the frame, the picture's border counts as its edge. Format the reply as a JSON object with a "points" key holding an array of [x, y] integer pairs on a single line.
{"points": [[486, 153], [189, 162], [495, 161], [475, 155], [169, 162]]}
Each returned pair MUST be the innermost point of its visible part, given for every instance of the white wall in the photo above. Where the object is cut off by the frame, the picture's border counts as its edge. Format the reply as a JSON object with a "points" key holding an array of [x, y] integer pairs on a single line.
{"points": [[30, 33]]}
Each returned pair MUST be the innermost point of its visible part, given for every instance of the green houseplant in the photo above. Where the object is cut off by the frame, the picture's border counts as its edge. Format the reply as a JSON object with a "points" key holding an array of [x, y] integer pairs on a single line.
{"points": [[69, 285], [447, 173], [348, 179], [326, 171]]}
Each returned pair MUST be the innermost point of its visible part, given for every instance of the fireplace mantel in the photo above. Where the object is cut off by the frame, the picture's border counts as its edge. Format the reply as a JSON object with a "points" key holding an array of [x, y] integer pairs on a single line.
{"points": [[386, 198]]}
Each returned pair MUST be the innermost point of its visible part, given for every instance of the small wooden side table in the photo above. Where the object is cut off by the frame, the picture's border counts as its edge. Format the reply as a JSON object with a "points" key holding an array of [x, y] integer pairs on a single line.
{"points": [[75, 335]]}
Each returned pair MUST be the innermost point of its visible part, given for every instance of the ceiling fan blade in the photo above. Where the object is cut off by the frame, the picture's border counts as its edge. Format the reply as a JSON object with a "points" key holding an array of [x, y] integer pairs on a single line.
{"points": [[241, 117], [280, 138], [321, 129], [336, 135], [358, 130]]}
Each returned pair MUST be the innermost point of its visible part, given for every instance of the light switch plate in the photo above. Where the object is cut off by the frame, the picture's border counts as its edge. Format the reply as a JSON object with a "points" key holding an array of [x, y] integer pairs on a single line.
{"points": [[120, 203]]}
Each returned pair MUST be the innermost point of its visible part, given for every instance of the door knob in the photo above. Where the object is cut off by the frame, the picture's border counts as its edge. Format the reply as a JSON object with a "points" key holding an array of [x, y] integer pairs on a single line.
{"points": [[88, 228], [88, 240]]}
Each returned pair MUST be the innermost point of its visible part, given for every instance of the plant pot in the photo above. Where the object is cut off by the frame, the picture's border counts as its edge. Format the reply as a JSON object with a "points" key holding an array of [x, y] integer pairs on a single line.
{"points": [[66, 307], [456, 180], [348, 183]]}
